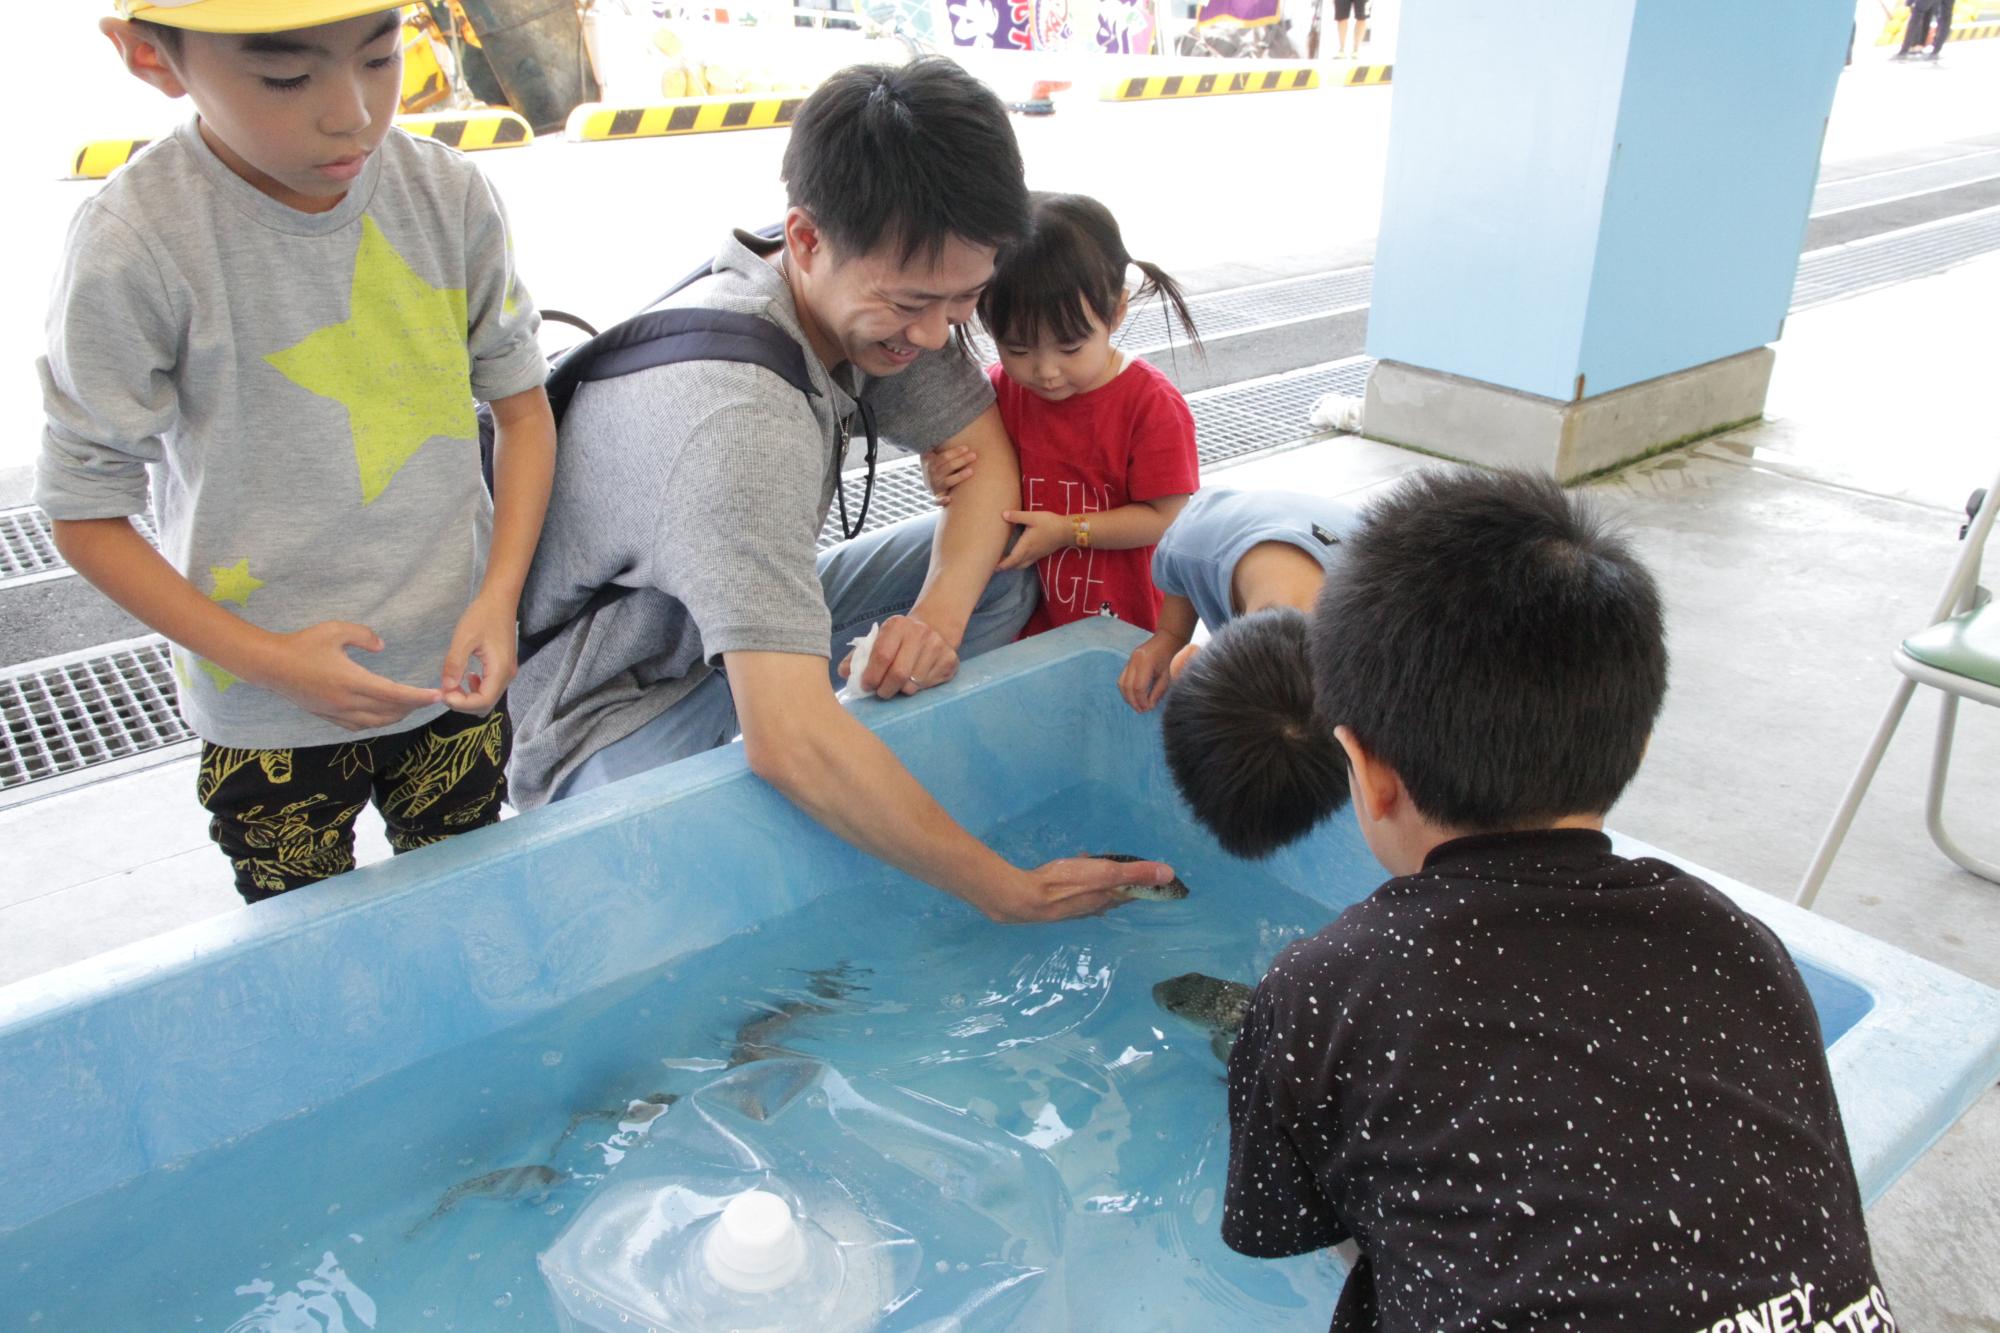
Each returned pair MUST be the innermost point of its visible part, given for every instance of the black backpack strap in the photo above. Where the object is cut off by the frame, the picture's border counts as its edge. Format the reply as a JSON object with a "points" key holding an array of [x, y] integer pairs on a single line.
{"points": [[670, 337], [665, 338], [770, 232]]}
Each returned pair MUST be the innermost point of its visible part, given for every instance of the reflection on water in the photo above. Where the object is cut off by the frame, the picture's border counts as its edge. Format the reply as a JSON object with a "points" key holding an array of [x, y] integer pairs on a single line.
{"points": [[318, 1304]]}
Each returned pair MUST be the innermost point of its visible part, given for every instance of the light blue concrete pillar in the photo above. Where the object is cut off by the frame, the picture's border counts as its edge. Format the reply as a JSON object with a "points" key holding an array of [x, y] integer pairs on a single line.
{"points": [[1592, 220]]}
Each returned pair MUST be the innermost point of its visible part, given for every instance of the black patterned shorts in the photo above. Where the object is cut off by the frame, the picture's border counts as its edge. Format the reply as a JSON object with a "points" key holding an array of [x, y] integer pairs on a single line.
{"points": [[285, 818]]}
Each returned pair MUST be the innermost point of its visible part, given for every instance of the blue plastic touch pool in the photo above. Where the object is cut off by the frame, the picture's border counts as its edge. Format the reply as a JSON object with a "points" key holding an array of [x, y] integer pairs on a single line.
{"points": [[372, 1105]]}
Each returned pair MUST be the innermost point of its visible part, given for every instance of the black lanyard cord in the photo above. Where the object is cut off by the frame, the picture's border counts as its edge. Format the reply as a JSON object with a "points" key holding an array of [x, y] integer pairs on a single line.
{"points": [[850, 532]]}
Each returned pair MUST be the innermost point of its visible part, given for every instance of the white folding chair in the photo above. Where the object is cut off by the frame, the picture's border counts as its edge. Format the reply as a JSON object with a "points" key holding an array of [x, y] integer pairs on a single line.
{"points": [[1958, 653]]}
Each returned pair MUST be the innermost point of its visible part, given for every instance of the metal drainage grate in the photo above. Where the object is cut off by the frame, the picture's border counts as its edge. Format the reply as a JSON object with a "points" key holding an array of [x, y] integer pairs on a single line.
{"points": [[1229, 422], [72, 714], [28, 544], [1840, 271], [1881, 187]]}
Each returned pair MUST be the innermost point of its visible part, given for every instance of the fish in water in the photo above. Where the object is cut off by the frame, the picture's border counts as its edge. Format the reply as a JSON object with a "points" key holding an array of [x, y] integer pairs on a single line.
{"points": [[757, 1039], [530, 1184], [633, 1115], [1208, 1002], [1171, 891]]}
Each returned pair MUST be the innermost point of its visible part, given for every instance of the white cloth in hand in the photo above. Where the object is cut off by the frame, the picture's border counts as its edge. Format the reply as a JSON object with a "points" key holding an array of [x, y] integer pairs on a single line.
{"points": [[857, 662]]}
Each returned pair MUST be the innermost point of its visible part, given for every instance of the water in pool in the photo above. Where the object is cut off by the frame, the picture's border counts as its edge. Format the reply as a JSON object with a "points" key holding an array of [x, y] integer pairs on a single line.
{"points": [[421, 1200]]}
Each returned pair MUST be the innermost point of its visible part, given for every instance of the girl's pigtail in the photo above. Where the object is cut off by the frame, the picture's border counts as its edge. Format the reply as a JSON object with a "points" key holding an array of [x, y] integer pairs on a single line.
{"points": [[1158, 283]]}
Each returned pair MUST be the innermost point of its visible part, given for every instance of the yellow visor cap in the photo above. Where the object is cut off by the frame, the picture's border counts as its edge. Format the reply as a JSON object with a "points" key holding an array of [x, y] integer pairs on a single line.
{"points": [[249, 15]]}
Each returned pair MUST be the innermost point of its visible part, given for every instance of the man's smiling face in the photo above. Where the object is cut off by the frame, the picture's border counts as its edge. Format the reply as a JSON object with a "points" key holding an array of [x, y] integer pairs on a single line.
{"points": [[878, 309]]}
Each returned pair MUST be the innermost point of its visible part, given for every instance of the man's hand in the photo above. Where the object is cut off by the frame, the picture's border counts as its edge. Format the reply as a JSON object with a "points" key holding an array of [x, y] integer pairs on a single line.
{"points": [[909, 656], [1042, 534], [313, 670], [486, 631], [1074, 886], [945, 467], [1146, 676]]}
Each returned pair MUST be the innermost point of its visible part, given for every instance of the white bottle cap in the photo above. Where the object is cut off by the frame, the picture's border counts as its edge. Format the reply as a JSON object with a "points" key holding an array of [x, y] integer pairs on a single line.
{"points": [[755, 1245]]}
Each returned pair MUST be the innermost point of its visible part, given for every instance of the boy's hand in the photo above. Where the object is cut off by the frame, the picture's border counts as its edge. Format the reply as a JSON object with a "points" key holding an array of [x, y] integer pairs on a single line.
{"points": [[1042, 534], [946, 467], [486, 631], [1145, 678], [315, 672]]}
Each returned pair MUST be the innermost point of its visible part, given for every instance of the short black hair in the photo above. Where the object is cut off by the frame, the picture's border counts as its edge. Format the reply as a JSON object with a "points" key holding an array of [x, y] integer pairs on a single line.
{"points": [[1493, 641], [907, 155], [1244, 744], [1070, 265]]}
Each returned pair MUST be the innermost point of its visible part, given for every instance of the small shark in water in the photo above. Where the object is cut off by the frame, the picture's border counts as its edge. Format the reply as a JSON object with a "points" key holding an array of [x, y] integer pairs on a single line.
{"points": [[529, 1184], [757, 1039], [634, 1114], [1208, 1002], [1171, 891]]}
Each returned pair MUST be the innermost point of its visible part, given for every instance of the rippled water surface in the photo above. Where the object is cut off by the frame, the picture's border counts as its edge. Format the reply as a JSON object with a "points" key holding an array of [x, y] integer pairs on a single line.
{"points": [[421, 1200]]}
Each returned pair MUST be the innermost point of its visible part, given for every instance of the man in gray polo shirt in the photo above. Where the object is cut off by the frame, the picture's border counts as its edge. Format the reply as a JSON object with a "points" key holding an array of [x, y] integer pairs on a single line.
{"points": [[701, 487]]}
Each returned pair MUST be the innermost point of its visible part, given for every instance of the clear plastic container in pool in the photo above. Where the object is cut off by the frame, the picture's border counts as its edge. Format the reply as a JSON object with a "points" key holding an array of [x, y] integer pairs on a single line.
{"points": [[424, 1200]]}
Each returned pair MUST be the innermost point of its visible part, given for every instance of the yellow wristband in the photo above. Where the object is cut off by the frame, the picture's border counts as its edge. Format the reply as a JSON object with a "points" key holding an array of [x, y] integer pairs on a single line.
{"points": [[1082, 533]]}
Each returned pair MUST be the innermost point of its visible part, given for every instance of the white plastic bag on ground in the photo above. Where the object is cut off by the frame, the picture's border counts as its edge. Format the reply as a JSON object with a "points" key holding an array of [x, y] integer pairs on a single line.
{"points": [[1338, 411]]}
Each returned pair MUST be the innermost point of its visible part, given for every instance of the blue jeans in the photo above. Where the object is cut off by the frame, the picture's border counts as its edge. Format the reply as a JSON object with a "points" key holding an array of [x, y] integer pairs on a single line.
{"points": [[867, 580]]}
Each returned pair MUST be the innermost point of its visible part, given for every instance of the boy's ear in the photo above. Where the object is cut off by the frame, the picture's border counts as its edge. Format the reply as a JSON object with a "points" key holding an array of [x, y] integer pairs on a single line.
{"points": [[146, 61], [1375, 787]]}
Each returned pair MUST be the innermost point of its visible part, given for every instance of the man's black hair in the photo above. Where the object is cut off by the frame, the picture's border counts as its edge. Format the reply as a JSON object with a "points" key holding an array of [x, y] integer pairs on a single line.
{"points": [[1251, 758], [907, 155], [1493, 642]]}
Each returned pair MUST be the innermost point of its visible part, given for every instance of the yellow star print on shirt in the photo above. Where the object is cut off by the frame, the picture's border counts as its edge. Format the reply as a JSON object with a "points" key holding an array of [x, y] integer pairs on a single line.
{"points": [[221, 679], [233, 583], [398, 364]]}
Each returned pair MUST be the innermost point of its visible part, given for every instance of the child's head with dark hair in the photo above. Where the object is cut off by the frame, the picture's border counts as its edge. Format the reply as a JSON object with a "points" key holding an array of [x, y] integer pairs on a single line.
{"points": [[1244, 744], [1059, 294], [1070, 267], [906, 156], [1496, 647]]}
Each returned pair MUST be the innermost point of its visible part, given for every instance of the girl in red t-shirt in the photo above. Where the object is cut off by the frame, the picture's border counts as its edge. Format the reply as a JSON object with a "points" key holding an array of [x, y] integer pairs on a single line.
{"points": [[1106, 442]]}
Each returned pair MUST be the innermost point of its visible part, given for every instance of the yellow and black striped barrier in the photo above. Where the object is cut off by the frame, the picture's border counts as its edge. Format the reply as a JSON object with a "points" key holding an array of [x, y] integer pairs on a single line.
{"points": [[100, 157], [467, 130], [1368, 76], [596, 122], [1898, 23], [1150, 87], [470, 131]]}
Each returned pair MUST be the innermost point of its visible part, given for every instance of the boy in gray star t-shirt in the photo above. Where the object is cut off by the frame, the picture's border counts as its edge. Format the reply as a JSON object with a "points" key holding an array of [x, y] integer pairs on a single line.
{"points": [[284, 313]]}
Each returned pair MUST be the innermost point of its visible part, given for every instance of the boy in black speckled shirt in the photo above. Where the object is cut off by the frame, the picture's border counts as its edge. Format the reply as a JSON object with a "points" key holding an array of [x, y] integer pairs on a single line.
{"points": [[1540, 1085]]}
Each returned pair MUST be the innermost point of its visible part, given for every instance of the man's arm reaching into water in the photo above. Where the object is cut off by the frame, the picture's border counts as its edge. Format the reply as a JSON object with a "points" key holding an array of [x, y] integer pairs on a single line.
{"points": [[802, 741]]}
